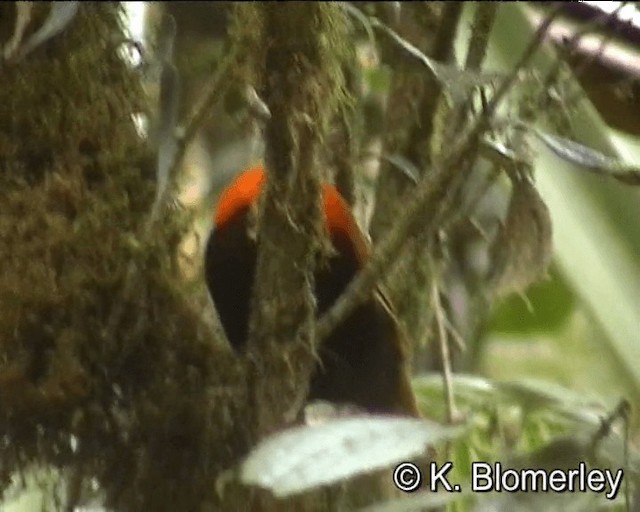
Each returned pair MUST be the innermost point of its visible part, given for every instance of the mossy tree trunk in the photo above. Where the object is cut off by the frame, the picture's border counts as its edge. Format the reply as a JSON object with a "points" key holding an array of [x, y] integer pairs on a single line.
{"points": [[107, 369]]}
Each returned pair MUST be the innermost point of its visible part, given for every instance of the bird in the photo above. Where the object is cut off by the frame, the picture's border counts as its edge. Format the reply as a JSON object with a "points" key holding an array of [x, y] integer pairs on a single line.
{"points": [[363, 362]]}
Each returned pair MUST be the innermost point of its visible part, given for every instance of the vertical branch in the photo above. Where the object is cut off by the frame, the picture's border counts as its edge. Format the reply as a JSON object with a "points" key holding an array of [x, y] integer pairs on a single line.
{"points": [[481, 26], [299, 87]]}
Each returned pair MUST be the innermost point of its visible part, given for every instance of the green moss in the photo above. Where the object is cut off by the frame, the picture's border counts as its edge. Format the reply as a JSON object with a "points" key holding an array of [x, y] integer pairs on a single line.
{"points": [[149, 401]]}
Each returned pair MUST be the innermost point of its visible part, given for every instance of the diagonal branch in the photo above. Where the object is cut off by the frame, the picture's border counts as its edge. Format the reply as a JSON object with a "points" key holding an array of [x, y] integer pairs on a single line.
{"points": [[443, 340]]}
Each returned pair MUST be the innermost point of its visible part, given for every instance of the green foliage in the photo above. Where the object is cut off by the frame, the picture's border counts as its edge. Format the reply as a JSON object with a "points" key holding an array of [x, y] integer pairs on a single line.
{"points": [[530, 424], [545, 307]]}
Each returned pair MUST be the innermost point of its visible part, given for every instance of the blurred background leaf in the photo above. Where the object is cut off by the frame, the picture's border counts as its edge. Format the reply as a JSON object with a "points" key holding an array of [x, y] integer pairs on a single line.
{"points": [[581, 327]]}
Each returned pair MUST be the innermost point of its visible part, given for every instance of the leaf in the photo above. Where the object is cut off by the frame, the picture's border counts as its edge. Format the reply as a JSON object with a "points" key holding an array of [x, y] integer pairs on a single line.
{"points": [[538, 394], [472, 388], [521, 253], [60, 16], [457, 82], [564, 452], [589, 159], [303, 458], [472, 394], [404, 165], [529, 394], [321, 411]]}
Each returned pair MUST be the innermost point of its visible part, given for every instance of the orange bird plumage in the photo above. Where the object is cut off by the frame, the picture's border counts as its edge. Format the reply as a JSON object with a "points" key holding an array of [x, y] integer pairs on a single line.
{"points": [[363, 361]]}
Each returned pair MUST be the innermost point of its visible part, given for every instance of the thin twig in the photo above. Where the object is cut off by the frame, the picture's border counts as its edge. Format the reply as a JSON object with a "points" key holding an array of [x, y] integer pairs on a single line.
{"points": [[405, 45], [620, 411], [423, 204], [455, 335], [445, 355], [212, 94], [439, 70]]}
